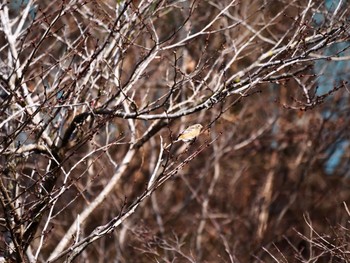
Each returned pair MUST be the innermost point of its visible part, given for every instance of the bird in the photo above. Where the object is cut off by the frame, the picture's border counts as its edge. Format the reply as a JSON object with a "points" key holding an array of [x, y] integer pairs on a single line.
{"points": [[190, 133]]}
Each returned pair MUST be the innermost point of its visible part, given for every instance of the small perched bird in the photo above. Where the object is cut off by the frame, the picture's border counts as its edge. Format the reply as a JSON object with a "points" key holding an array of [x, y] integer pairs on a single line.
{"points": [[190, 134]]}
